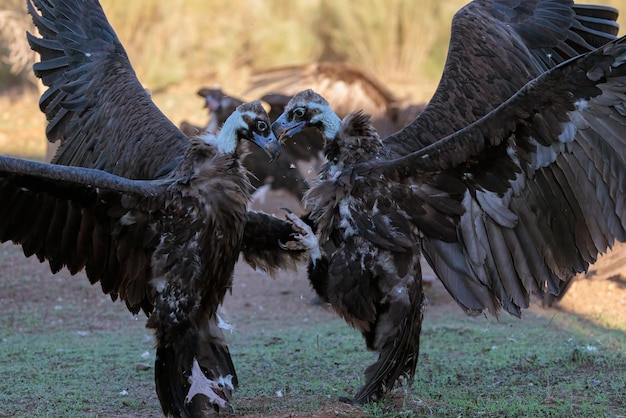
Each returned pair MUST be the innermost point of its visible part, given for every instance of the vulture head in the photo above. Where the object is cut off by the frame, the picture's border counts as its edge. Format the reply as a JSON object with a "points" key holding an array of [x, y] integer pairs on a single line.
{"points": [[212, 98], [307, 109], [251, 122]]}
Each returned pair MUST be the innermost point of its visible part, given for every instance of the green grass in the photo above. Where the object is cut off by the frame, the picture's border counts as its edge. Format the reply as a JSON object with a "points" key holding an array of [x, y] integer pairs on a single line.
{"points": [[57, 360], [532, 367], [69, 373]]}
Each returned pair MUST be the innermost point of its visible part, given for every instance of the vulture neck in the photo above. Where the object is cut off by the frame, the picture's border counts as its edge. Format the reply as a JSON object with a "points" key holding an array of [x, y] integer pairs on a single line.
{"points": [[226, 141], [331, 124]]}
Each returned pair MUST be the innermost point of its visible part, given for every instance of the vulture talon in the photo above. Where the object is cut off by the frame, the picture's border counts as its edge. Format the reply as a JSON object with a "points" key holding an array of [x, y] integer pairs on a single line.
{"points": [[305, 238], [201, 385]]}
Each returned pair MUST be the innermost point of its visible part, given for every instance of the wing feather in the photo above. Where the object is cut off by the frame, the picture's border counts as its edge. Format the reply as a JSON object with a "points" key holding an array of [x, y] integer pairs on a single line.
{"points": [[544, 177], [496, 47], [92, 86], [82, 221]]}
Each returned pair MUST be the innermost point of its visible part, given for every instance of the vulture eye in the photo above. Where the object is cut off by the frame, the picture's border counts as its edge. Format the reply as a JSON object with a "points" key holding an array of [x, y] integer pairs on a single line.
{"points": [[298, 112], [262, 126]]}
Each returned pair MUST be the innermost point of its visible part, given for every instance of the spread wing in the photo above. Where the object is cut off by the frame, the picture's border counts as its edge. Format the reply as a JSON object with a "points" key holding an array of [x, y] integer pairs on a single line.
{"points": [[541, 181], [95, 104], [83, 218], [99, 111], [496, 47]]}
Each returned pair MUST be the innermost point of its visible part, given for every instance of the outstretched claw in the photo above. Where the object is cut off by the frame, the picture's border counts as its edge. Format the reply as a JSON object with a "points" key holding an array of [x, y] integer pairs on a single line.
{"points": [[305, 238], [201, 385]]}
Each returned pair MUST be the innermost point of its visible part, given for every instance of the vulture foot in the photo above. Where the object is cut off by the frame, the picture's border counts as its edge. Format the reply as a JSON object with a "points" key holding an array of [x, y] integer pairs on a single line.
{"points": [[305, 238], [200, 385]]}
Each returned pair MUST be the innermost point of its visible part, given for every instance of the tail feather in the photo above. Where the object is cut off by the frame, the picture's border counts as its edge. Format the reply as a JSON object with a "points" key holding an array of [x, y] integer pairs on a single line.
{"points": [[173, 369], [398, 355]]}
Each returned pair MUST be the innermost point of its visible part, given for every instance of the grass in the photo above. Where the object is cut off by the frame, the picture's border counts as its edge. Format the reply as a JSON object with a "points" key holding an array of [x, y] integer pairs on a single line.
{"points": [[70, 373], [468, 367]]}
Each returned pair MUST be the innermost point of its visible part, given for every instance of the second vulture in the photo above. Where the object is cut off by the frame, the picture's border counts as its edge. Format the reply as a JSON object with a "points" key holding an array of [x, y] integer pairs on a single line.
{"points": [[520, 189]]}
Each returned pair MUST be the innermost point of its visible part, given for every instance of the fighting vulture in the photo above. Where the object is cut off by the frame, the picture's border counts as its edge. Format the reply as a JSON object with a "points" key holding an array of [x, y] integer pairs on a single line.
{"points": [[157, 218], [511, 180], [346, 86], [283, 172]]}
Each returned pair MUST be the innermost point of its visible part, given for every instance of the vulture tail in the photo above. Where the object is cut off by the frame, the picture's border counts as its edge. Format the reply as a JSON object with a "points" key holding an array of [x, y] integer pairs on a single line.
{"points": [[398, 353], [195, 375]]}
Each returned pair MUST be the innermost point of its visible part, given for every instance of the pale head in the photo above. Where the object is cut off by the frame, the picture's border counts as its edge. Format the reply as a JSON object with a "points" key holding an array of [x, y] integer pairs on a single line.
{"points": [[250, 122], [305, 109]]}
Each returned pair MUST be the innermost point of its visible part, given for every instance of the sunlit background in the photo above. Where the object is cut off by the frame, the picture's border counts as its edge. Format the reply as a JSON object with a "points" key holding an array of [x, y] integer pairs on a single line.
{"points": [[177, 46]]}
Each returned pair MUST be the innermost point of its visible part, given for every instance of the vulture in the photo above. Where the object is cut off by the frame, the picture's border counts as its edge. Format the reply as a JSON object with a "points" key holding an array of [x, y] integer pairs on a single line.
{"points": [[282, 173], [219, 105], [157, 218], [166, 246], [511, 180]]}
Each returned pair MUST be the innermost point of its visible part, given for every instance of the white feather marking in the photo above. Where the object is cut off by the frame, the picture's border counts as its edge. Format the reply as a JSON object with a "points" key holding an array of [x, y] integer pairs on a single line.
{"points": [[158, 283], [346, 218], [568, 132], [581, 104], [128, 219], [223, 324], [544, 156]]}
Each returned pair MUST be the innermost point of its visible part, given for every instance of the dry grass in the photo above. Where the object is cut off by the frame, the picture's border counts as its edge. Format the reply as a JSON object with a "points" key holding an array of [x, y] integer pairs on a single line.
{"points": [[403, 42]]}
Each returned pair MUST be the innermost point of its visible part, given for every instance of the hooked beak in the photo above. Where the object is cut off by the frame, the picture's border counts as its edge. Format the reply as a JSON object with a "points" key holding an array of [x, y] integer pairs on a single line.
{"points": [[268, 143], [283, 128]]}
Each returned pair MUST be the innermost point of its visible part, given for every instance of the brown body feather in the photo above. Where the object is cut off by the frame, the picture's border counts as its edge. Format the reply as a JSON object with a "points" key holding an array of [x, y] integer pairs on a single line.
{"points": [[503, 204], [104, 119], [167, 247]]}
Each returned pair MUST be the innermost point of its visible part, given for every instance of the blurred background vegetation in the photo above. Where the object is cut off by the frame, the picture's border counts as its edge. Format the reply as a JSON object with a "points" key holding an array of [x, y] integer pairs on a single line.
{"points": [[178, 46], [403, 42]]}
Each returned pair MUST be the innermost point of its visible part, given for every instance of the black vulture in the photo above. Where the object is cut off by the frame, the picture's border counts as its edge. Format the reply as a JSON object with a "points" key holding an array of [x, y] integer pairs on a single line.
{"points": [[151, 214], [511, 180], [219, 106]]}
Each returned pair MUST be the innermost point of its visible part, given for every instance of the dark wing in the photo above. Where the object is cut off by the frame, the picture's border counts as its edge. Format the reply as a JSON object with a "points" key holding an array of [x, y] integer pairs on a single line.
{"points": [[496, 47], [94, 103], [609, 266], [541, 181], [83, 218]]}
